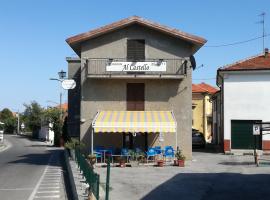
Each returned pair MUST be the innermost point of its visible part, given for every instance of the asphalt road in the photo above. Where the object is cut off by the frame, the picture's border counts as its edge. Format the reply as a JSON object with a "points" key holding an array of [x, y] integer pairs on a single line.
{"points": [[22, 166]]}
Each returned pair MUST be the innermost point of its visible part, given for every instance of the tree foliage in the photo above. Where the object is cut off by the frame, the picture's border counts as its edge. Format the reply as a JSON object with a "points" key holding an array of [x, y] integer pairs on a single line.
{"points": [[32, 116], [7, 117]]}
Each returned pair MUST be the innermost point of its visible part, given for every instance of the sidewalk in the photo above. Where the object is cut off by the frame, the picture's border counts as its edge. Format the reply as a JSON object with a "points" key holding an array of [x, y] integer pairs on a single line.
{"points": [[81, 187]]}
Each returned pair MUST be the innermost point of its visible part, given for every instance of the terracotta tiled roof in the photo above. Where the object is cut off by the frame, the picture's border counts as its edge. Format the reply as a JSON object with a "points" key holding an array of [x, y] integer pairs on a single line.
{"points": [[203, 88], [64, 106], [73, 41], [259, 62]]}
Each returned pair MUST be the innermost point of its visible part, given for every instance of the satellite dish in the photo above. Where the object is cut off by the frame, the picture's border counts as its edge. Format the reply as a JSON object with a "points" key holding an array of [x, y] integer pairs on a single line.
{"points": [[68, 84], [193, 62]]}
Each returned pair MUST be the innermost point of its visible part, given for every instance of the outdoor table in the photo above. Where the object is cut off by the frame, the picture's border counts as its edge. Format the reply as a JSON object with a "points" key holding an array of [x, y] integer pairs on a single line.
{"points": [[103, 151]]}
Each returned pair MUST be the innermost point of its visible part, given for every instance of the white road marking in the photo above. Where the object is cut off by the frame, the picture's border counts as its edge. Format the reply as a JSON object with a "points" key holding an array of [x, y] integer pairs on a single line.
{"points": [[56, 187], [46, 191], [32, 196], [52, 196], [10, 189]]}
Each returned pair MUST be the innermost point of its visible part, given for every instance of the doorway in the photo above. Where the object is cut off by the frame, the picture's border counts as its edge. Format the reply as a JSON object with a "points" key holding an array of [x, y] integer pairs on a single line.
{"points": [[135, 102]]}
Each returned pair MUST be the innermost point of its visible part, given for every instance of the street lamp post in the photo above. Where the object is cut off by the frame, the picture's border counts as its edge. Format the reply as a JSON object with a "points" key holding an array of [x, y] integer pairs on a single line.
{"points": [[62, 76]]}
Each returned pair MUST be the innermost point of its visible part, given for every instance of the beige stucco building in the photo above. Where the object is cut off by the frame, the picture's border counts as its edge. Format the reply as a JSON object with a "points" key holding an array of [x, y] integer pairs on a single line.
{"points": [[132, 65], [203, 109]]}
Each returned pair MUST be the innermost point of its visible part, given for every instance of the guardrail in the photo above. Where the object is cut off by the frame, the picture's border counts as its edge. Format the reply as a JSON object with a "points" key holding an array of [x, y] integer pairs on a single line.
{"points": [[91, 177]]}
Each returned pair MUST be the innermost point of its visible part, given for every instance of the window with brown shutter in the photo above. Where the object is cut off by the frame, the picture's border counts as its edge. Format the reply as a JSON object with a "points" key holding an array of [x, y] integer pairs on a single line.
{"points": [[136, 50]]}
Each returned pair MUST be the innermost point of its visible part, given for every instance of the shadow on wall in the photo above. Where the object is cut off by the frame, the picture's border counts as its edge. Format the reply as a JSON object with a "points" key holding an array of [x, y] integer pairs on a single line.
{"points": [[219, 186]]}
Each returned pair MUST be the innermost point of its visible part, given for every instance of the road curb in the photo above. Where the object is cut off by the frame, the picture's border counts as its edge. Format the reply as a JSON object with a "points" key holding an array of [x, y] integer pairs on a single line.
{"points": [[70, 176]]}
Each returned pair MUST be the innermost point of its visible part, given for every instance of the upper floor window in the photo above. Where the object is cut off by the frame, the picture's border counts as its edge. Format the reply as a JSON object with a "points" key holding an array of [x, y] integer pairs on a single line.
{"points": [[136, 50]]}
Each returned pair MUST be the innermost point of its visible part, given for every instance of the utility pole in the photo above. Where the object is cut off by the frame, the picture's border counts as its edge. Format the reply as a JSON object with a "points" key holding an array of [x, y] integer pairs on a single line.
{"points": [[61, 114], [262, 15], [18, 123]]}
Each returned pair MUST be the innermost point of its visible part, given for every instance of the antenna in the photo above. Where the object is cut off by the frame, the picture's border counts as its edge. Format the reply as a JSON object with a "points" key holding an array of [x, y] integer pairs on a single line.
{"points": [[262, 15]]}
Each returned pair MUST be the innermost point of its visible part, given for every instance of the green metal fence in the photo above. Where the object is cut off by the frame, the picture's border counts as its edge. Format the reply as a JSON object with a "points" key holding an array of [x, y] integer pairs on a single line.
{"points": [[91, 177]]}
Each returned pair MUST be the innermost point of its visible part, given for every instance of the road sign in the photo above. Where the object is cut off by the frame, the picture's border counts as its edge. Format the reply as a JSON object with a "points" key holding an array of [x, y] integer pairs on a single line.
{"points": [[68, 84], [256, 129]]}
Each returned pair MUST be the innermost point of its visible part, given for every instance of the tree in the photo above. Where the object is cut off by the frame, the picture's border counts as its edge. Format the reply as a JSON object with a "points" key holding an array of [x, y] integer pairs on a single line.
{"points": [[7, 117], [32, 116]]}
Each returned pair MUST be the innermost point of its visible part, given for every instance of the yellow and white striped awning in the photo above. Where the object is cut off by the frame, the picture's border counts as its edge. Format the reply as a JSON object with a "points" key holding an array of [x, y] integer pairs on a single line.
{"points": [[134, 121]]}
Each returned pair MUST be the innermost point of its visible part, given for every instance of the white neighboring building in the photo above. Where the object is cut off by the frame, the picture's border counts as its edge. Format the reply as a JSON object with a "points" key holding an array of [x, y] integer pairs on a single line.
{"points": [[245, 98], [46, 134]]}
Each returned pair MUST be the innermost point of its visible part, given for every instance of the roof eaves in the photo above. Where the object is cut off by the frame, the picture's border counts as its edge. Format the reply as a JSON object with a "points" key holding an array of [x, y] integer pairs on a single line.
{"points": [[225, 67], [135, 19]]}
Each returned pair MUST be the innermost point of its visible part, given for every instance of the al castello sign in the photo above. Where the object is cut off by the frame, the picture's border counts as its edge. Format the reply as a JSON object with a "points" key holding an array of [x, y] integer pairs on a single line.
{"points": [[137, 66]]}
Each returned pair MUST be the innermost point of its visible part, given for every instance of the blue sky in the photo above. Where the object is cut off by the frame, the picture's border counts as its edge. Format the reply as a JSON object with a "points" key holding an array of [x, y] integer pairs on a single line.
{"points": [[33, 33]]}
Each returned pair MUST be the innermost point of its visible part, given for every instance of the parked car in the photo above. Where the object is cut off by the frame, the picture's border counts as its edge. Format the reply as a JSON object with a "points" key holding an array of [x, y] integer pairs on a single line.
{"points": [[197, 139]]}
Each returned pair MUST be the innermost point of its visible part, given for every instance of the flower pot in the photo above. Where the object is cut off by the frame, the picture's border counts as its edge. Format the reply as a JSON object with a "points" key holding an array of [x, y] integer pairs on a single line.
{"points": [[92, 160], [160, 163], [181, 163], [122, 163], [61, 142]]}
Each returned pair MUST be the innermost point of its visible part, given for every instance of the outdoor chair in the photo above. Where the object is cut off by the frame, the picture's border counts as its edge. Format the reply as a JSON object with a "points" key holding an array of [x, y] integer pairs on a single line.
{"points": [[150, 153], [158, 150], [109, 151], [138, 150], [125, 153], [168, 153], [98, 156], [167, 147]]}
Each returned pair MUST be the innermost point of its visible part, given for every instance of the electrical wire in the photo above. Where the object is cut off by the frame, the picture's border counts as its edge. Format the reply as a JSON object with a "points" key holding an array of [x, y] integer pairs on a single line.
{"points": [[237, 43]]}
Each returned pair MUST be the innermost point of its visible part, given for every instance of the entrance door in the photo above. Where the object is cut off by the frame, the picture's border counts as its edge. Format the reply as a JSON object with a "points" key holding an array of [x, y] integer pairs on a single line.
{"points": [[135, 102], [242, 135], [135, 96]]}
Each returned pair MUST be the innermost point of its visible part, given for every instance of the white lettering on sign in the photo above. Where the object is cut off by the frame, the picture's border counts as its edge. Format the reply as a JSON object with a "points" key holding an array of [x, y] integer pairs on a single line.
{"points": [[137, 66], [256, 129]]}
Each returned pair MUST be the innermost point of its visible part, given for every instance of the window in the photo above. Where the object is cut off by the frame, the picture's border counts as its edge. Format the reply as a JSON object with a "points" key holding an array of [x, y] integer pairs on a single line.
{"points": [[136, 50]]}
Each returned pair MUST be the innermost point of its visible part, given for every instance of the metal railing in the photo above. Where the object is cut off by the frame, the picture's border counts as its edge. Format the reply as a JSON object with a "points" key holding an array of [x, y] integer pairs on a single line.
{"points": [[97, 66], [91, 177]]}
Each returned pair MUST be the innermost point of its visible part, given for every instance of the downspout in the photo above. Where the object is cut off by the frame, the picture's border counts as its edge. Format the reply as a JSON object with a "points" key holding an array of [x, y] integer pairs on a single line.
{"points": [[204, 116], [221, 119]]}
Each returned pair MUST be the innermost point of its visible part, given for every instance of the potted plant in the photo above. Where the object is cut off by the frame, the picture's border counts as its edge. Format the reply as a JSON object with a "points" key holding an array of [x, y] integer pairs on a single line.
{"points": [[160, 163], [71, 145], [122, 162], [180, 159], [133, 158], [92, 159]]}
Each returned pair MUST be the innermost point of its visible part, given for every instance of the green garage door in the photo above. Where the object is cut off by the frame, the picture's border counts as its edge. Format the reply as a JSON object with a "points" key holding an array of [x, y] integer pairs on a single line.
{"points": [[242, 135]]}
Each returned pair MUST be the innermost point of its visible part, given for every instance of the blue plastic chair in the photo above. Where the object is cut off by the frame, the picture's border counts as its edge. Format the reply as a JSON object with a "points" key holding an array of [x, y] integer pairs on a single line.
{"points": [[98, 156], [138, 150], [158, 150], [151, 153], [109, 151], [124, 152], [169, 153]]}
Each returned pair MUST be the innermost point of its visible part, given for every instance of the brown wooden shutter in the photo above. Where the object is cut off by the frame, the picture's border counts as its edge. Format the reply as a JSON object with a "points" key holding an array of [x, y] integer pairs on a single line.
{"points": [[136, 50], [135, 96]]}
